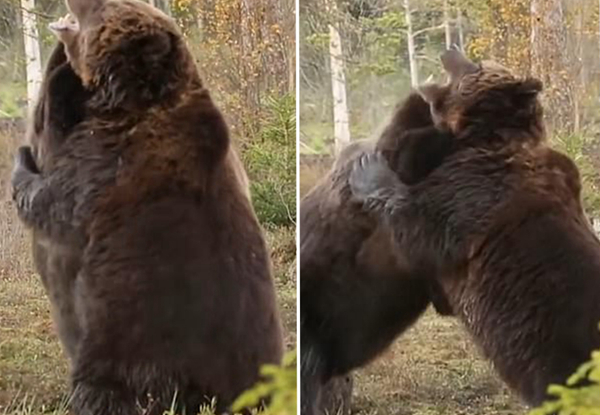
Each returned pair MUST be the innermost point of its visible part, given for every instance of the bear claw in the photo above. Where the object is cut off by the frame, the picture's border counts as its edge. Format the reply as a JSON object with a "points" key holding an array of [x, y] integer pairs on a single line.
{"points": [[370, 176]]}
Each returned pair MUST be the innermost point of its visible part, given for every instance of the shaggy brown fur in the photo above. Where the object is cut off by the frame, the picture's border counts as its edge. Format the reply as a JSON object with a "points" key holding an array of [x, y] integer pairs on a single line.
{"points": [[502, 219], [357, 292], [411, 144], [173, 291], [60, 106]]}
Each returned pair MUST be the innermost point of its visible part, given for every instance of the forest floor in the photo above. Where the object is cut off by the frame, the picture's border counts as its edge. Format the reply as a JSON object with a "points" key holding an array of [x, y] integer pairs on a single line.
{"points": [[33, 370], [433, 369]]}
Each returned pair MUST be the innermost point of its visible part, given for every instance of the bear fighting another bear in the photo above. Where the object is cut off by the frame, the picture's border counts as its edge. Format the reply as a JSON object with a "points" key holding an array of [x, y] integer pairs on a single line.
{"points": [[158, 273], [358, 291], [501, 225], [144, 233]]}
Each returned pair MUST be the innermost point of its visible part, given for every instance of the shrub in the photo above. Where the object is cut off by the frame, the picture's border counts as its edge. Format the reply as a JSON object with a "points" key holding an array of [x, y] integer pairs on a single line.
{"points": [[573, 146], [572, 400], [12, 100], [279, 385], [270, 160]]}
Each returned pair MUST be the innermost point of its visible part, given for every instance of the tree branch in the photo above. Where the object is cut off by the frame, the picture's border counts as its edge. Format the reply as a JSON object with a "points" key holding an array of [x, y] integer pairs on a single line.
{"points": [[427, 29]]}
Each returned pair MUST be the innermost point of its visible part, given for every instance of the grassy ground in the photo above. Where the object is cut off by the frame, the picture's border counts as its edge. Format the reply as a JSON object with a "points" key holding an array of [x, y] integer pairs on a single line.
{"points": [[33, 371], [433, 369]]}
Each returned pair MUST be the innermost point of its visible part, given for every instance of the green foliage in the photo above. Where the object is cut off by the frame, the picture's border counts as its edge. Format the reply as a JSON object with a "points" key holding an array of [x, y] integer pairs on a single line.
{"points": [[12, 100], [271, 164], [572, 400], [279, 386], [384, 38], [574, 146], [319, 40]]}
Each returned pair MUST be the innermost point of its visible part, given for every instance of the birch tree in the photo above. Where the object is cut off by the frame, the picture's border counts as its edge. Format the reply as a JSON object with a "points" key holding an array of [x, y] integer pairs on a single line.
{"points": [[412, 53], [549, 62], [412, 35], [459, 25], [32, 50], [447, 27], [341, 125], [162, 5]]}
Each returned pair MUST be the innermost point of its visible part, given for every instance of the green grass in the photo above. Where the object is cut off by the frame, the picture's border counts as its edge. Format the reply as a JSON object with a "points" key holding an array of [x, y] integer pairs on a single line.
{"points": [[433, 369], [12, 103]]}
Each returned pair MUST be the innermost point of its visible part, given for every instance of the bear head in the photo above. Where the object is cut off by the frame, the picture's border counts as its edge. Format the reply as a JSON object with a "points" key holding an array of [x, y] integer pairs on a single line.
{"points": [[128, 53], [485, 96]]}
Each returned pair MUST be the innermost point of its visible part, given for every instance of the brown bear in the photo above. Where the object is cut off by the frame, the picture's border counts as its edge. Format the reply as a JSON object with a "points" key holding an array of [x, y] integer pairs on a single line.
{"points": [[60, 106], [501, 221], [171, 290], [357, 292]]}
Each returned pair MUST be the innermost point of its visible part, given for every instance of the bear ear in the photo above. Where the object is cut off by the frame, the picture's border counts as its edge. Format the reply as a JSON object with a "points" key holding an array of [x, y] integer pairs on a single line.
{"points": [[457, 65], [84, 10], [430, 92], [531, 86]]}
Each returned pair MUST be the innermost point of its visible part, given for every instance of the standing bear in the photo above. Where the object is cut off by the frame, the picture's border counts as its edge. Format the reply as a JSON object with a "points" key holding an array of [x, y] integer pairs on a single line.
{"points": [[60, 107], [170, 294], [501, 224], [358, 291]]}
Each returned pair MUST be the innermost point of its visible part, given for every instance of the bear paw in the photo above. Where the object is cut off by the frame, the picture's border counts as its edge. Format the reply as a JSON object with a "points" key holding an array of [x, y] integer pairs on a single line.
{"points": [[25, 168], [372, 182]]}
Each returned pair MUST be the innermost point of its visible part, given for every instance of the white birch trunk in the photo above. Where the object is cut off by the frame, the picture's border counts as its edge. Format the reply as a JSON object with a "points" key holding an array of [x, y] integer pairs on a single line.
{"points": [[447, 24], [550, 63], [161, 5], [412, 55], [32, 50], [338, 85], [167, 7], [459, 23]]}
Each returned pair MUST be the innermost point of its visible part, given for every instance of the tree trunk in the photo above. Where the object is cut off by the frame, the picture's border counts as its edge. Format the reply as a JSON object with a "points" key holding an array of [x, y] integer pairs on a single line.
{"points": [[459, 24], [167, 7], [447, 24], [161, 5], [550, 63], [32, 50], [412, 53], [338, 85], [197, 10], [579, 72], [291, 66]]}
